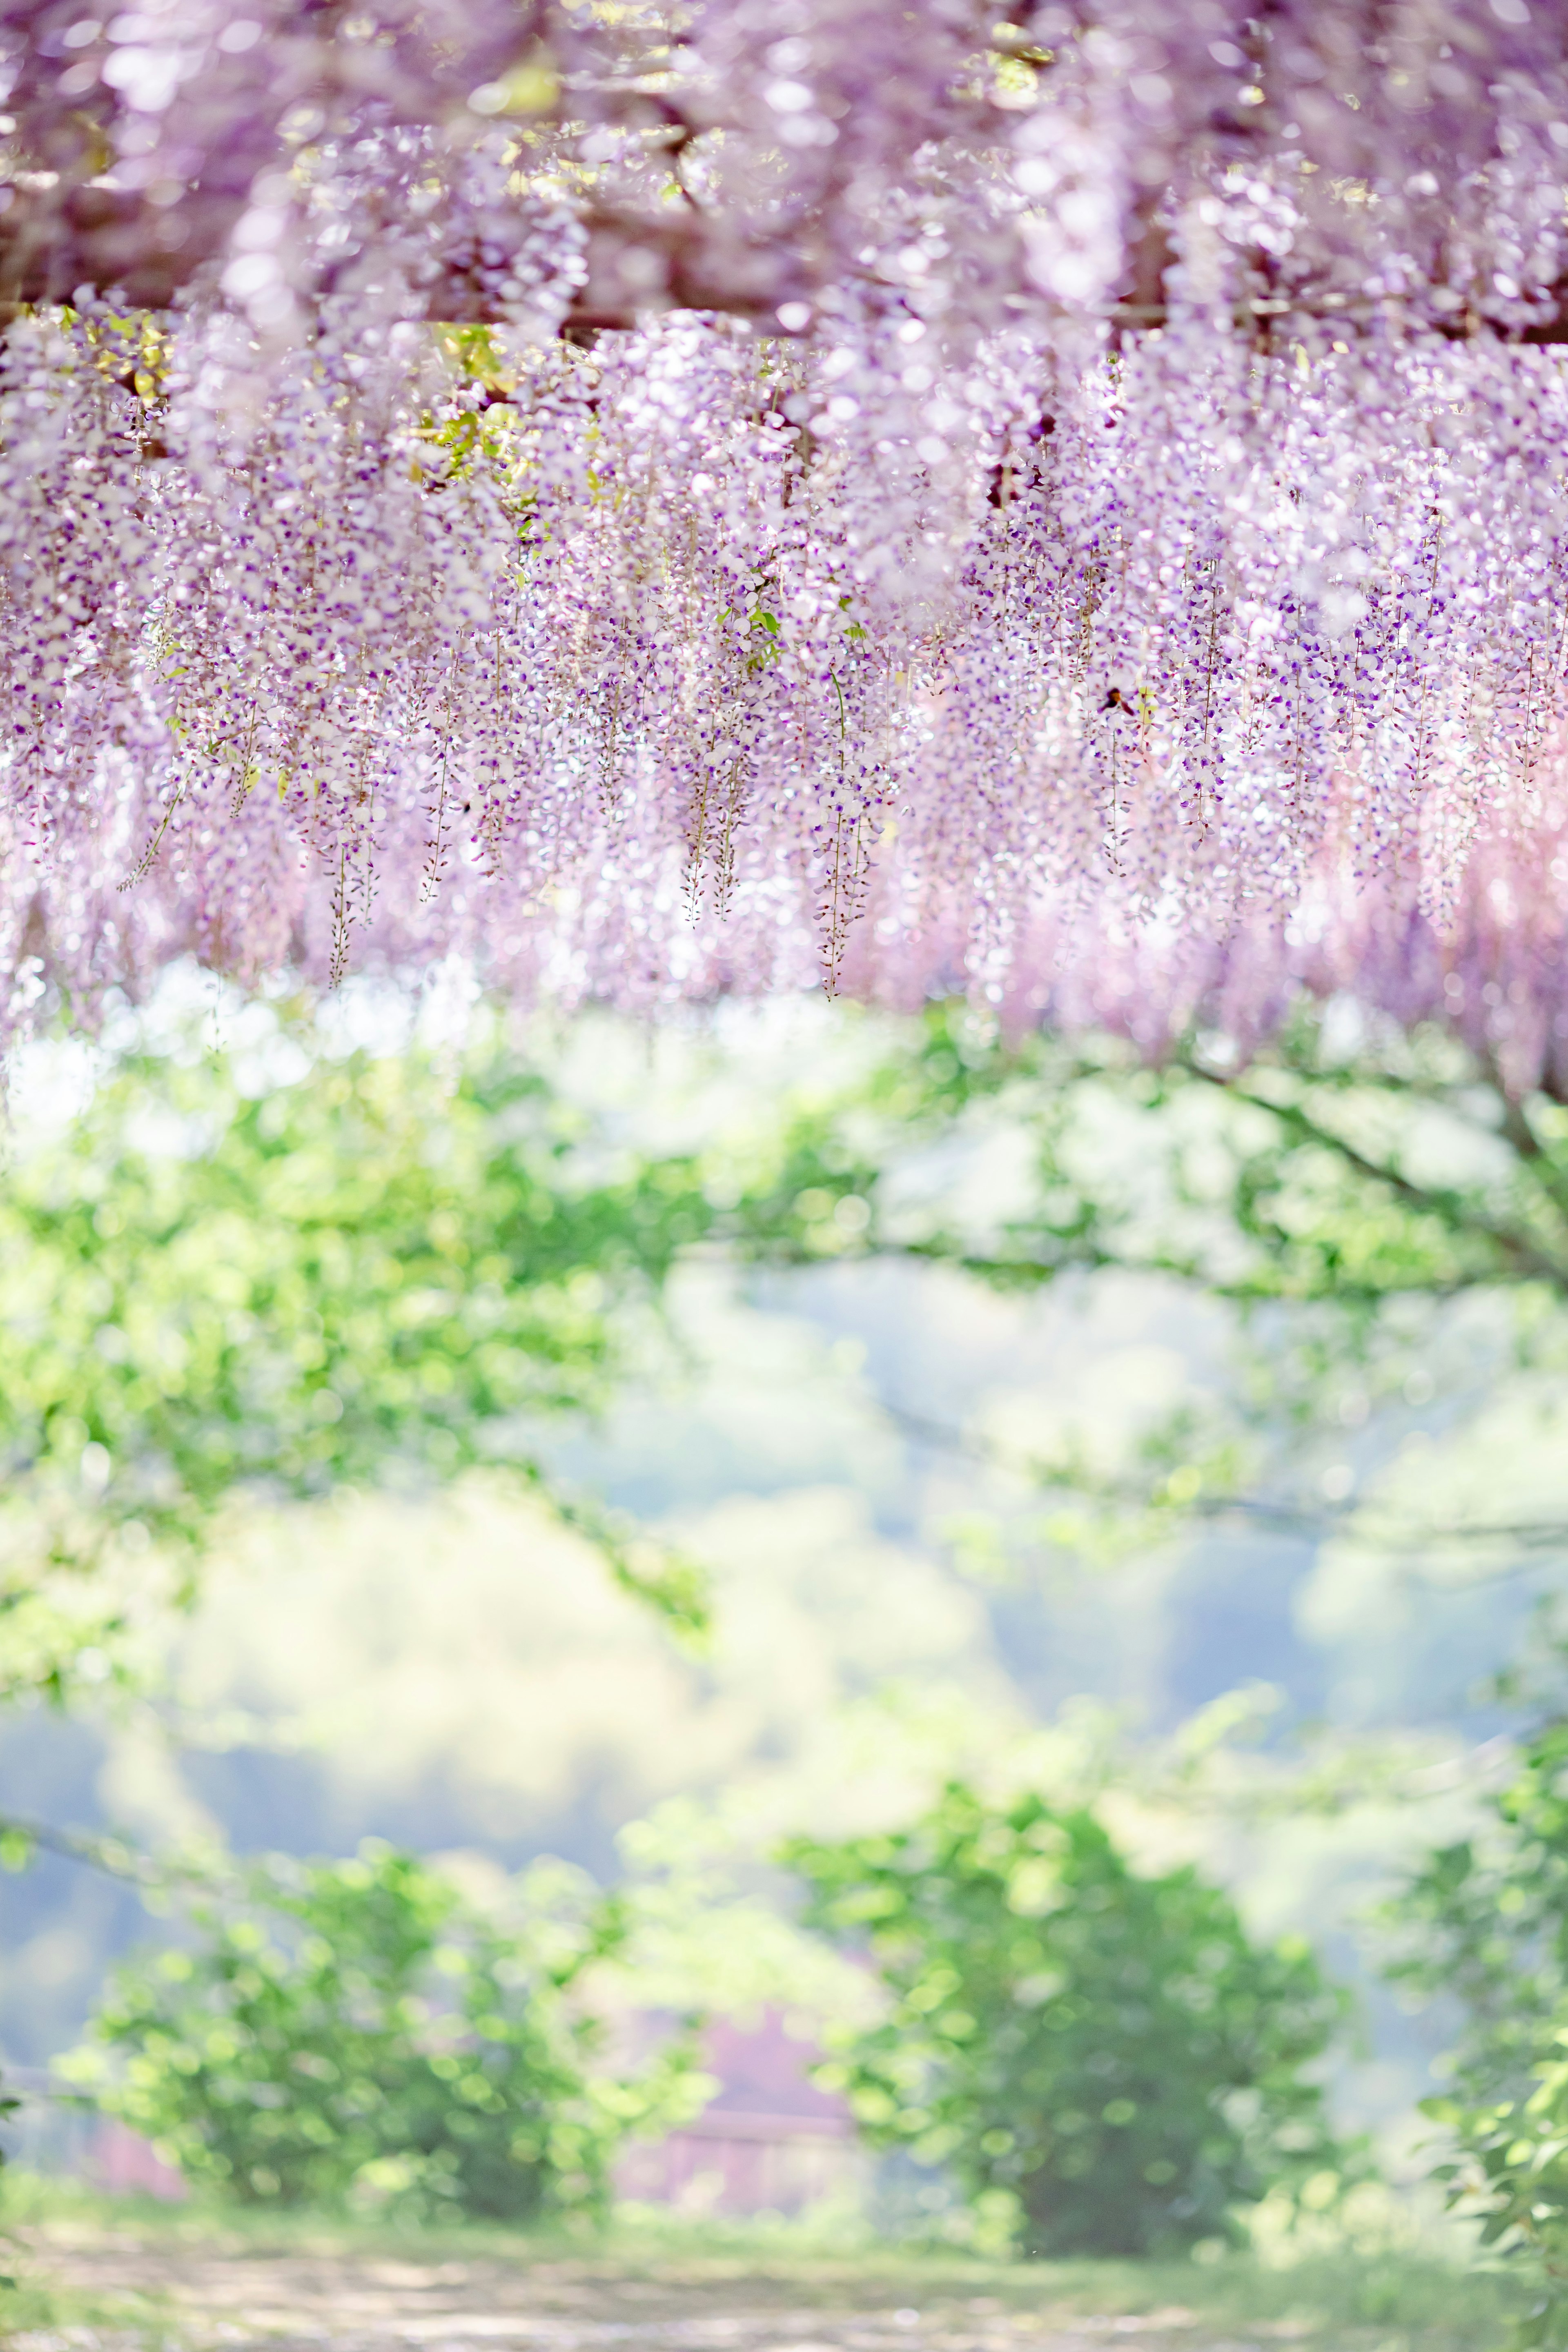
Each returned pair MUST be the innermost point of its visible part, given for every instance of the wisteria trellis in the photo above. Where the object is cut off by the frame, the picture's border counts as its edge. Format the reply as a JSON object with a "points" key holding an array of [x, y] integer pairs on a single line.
{"points": [[1067, 502]]}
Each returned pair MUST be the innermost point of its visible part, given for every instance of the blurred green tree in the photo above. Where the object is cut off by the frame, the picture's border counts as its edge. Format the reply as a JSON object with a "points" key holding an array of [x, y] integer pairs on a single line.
{"points": [[1484, 1924], [1105, 2061], [1348, 1190], [1350, 1161], [376, 1269], [358, 2031]]}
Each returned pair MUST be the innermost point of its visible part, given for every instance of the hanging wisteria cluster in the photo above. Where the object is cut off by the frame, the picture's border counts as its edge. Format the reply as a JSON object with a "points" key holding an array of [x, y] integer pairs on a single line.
{"points": [[1070, 503]]}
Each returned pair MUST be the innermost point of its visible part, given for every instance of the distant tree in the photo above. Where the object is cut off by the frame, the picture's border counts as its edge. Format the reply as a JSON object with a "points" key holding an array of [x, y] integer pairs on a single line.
{"points": [[1483, 1925], [1348, 1189], [1351, 1159], [205, 1292], [1104, 2059], [376, 1270], [334, 2031]]}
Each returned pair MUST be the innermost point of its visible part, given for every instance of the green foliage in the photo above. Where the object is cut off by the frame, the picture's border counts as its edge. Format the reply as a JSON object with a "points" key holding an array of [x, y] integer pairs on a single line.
{"points": [[293, 1291], [1104, 2060], [380, 1267], [1485, 1922], [368, 1270], [383, 1267], [213, 1287], [216, 1285], [356, 2031], [1347, 1190], [1350, 1163]]}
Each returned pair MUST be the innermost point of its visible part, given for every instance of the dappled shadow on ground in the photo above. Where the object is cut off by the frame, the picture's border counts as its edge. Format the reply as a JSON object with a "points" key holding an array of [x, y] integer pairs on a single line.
{"points": [[210, 2296]]}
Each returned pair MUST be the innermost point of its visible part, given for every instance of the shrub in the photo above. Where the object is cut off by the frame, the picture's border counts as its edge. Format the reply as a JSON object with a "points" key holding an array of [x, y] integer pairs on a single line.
{"points": [[1104, 2061], [1485, 1922], [358, 2031]]}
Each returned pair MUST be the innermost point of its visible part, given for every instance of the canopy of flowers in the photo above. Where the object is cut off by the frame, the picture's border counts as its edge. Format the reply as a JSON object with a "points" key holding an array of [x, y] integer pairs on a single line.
{"points": [[1063, 501]]}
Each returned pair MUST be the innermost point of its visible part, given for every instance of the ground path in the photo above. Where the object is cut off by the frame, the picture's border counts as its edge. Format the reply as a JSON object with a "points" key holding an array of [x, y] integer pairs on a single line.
{"points": [[128, 2289]]}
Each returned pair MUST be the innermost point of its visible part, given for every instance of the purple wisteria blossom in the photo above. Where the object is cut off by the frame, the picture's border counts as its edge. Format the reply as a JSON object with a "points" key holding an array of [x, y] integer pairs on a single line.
{"points": [[1066, 503]]}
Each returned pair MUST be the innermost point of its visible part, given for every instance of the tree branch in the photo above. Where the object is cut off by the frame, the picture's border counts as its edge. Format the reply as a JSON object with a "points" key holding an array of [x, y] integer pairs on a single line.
{"points": [[1459, 1215], [1280, 1517]]}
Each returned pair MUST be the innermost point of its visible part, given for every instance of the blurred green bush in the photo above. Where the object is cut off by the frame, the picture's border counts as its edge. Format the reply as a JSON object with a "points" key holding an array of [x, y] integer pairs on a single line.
{"points": [[1485, 1923], [358, 2033], [1104, 2061]]}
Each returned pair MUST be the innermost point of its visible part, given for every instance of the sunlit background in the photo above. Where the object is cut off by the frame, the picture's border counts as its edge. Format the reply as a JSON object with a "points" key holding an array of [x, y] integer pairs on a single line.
{"points": [[843, 1445]]}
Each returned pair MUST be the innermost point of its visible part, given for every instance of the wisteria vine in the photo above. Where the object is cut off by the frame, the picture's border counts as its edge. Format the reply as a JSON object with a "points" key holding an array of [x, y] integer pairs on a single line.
{"points": [[1070, 508]]}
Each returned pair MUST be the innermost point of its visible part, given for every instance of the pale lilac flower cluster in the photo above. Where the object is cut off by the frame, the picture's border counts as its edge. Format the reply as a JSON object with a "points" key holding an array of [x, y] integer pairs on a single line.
{"points": [[1070, 506]]}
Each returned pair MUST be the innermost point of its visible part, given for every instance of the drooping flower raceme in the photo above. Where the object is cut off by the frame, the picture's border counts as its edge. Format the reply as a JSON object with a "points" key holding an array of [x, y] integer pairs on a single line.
{"points": [[1071, 507]]}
